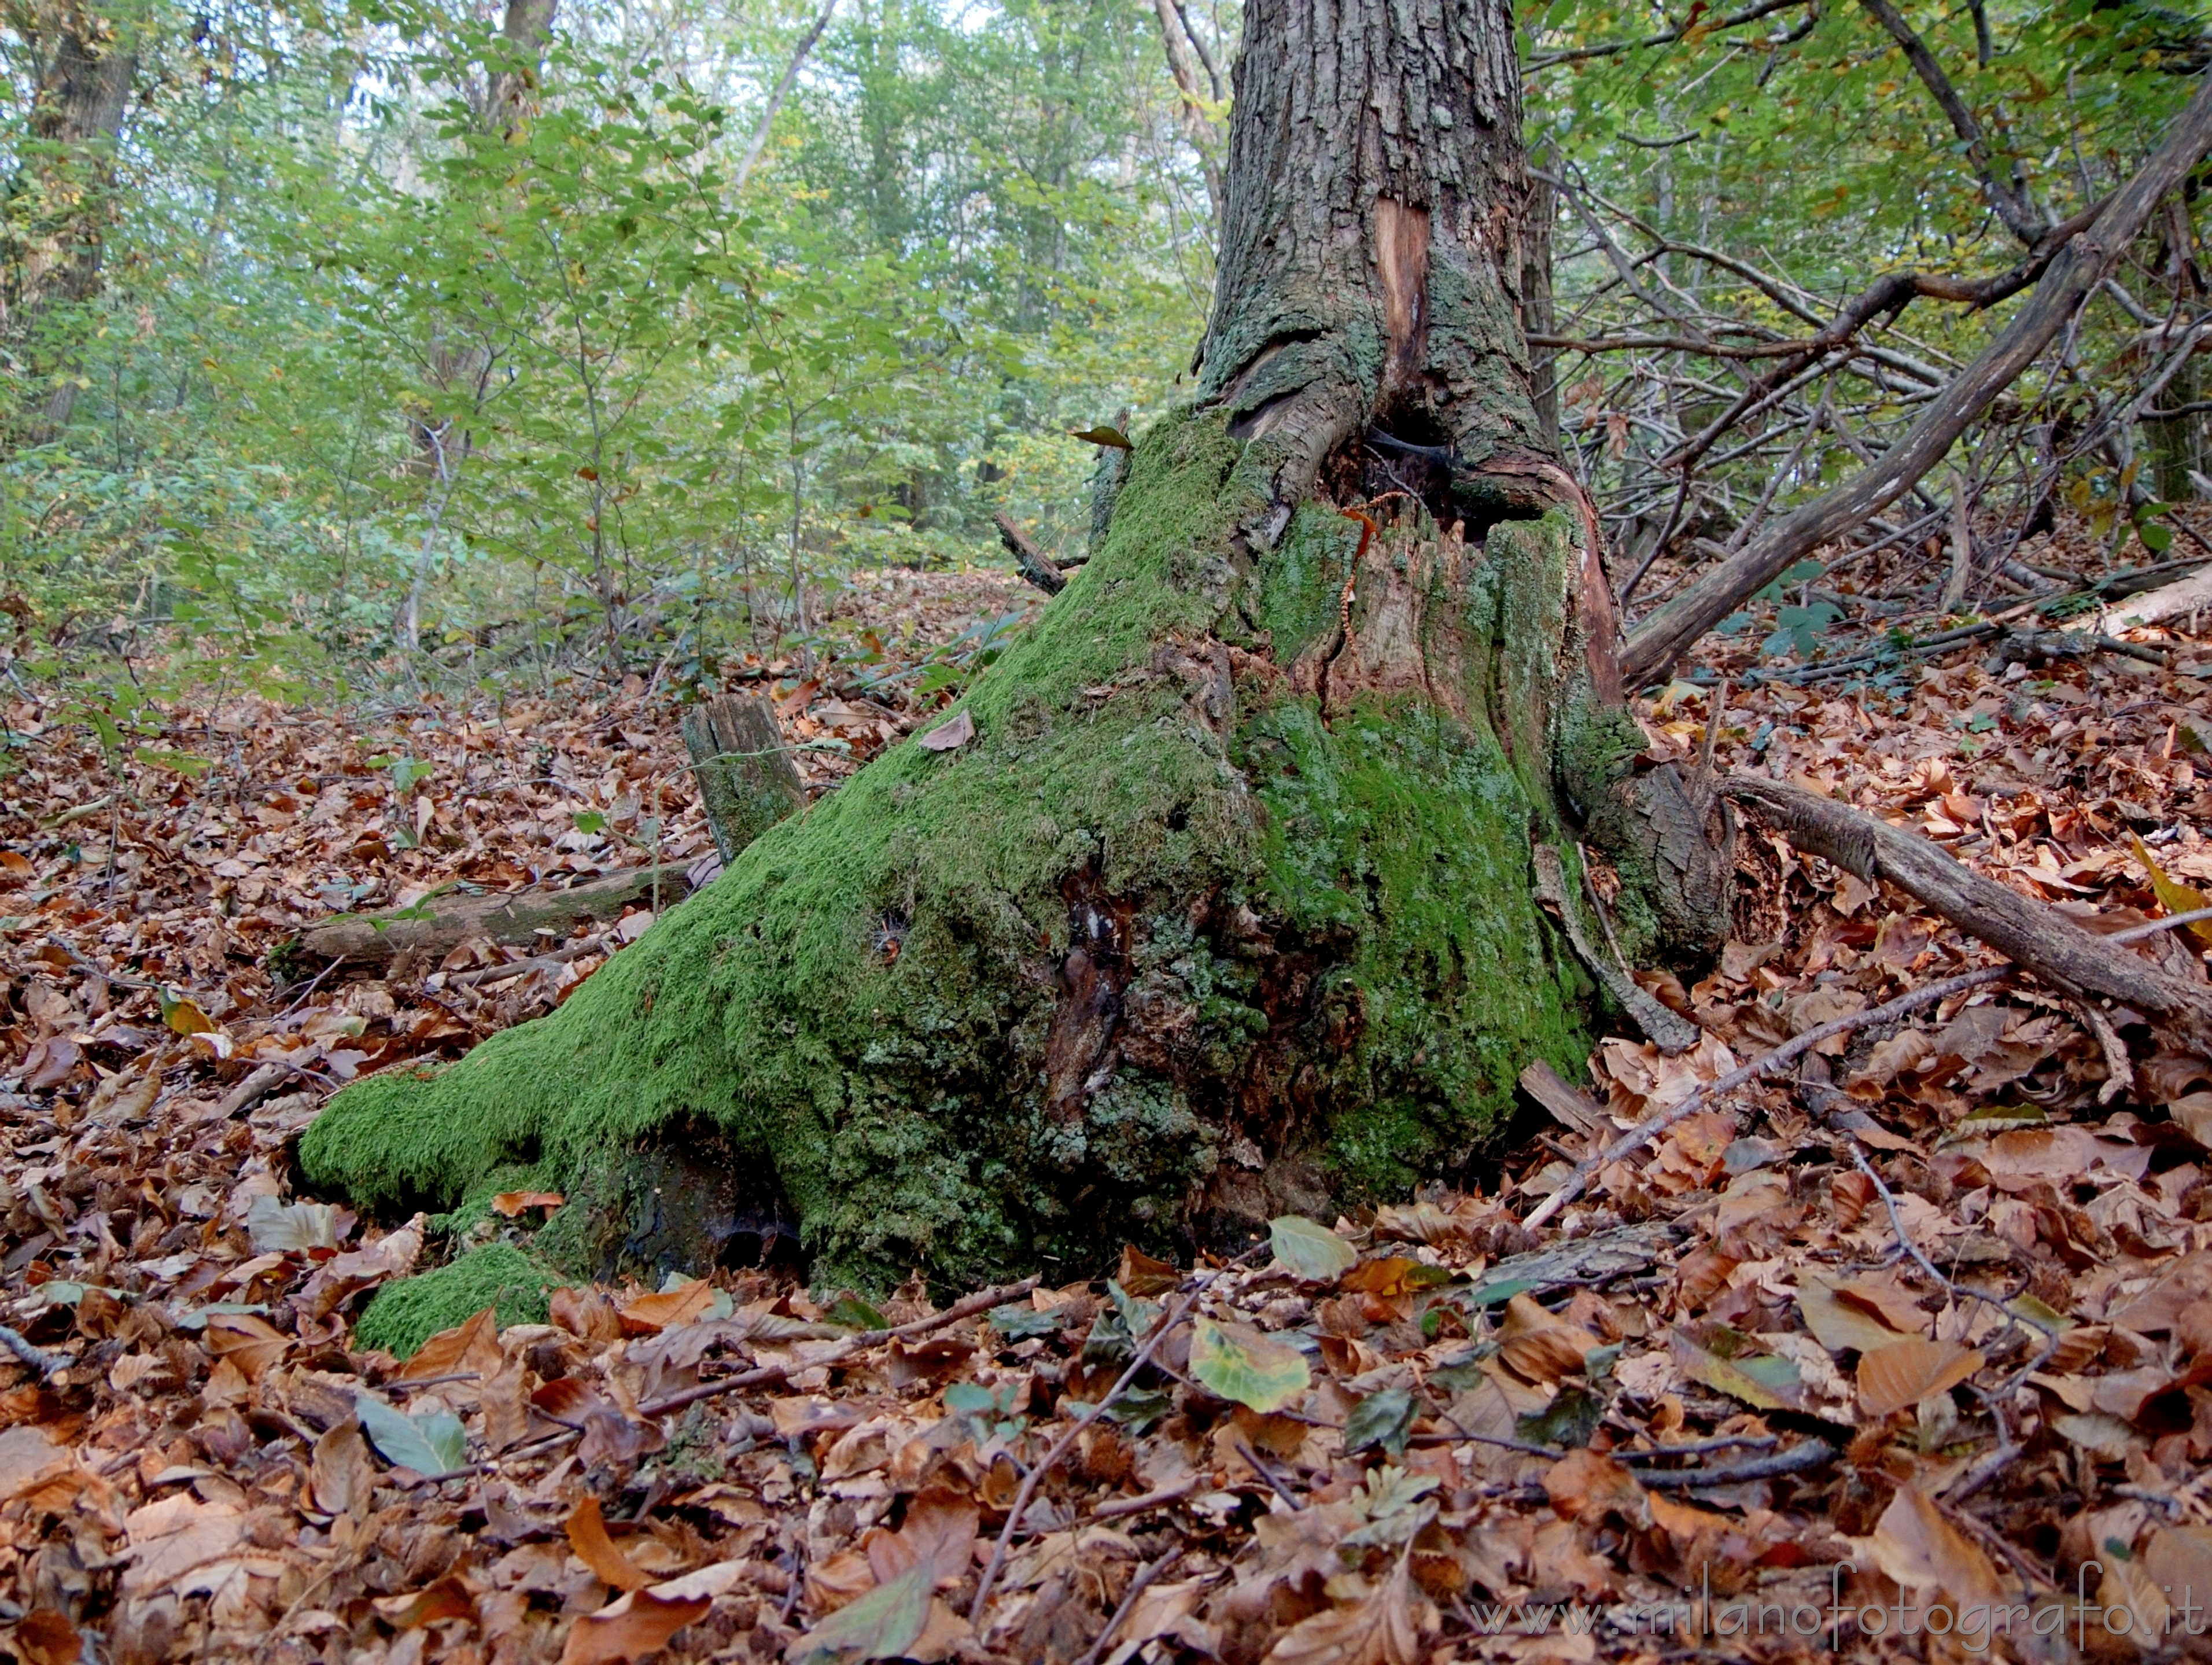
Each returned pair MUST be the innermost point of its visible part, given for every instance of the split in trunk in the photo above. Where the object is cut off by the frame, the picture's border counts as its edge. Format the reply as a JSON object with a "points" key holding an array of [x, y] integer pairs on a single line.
{"points": [[1228, 907]]}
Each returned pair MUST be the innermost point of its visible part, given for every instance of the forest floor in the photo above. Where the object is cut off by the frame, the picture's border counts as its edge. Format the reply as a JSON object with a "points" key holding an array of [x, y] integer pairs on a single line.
{"points": [[1938, 1306]]}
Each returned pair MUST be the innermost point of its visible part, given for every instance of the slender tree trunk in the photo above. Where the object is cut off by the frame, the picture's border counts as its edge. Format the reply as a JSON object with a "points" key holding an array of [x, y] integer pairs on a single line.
{"points": [[1219, 896], [53, 234]]}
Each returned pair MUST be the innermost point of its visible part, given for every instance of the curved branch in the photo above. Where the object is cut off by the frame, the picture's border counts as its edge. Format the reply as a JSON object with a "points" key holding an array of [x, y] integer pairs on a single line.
{"points": [[2012, 202], [1750, 14]]}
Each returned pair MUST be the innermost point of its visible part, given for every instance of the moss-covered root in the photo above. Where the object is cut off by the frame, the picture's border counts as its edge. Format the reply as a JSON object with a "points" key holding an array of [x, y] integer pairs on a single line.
{"points": [[402, 1316], [1188, 934]]}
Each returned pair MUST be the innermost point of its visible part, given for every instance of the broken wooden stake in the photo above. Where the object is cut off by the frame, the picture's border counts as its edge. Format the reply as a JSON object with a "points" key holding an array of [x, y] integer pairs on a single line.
{"points": [[747, 781]]}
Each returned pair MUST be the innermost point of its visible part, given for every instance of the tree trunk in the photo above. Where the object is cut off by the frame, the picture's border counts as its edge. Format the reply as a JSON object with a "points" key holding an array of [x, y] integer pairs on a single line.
{"points": [[1221, 900], [56, 213]]}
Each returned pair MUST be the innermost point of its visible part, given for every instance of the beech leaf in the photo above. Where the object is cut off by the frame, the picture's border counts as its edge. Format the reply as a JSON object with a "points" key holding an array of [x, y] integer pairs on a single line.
{"points": [[587, 1536], [1384, 1419], [949, 736], [1238, 1363], [630, 1628], [431, 1445], [884, 1624], [1310, 1249], [1899, 1376]]}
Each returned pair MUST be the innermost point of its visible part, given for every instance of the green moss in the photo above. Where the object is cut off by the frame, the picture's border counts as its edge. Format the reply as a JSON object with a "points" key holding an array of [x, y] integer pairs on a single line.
{"points": [[853, 1017], [405, 1314], [1402, 835]]}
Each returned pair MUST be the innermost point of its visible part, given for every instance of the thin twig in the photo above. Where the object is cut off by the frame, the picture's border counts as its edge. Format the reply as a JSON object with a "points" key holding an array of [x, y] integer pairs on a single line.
{"points": [[1168, 1321], [1808, 1454], [1146, 1577], [968, 1306], [46, 1364], [1144, 1505]]}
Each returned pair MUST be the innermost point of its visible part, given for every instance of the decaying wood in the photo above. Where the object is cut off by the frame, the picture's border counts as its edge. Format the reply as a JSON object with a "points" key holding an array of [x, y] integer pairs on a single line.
{"points": [[1672, 1031], [1570, 1108], [2036, 937], [440, 924], [747, 781], [1597, 1259], [2190, 595], [1028, 557]]}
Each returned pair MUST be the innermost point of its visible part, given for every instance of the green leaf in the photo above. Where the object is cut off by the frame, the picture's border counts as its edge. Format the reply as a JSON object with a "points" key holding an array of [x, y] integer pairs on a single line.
{"points": [[1019, 1322], [590, 821], [881, 1625], [407, 774], [178, 762], [1236, 1361], [431, 1445], [1310, 1250], [1384, 1419], [1463, 1372], [848, 1311], [1763, 1381], [1570, 1420]]}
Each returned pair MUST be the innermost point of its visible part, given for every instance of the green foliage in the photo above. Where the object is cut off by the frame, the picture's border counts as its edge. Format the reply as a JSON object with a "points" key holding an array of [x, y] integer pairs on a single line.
{"points": [[378, 384]]}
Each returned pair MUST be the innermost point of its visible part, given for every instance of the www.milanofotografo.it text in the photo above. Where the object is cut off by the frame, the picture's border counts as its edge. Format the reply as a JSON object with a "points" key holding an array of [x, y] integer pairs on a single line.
{"points": [[1974, 1622]]}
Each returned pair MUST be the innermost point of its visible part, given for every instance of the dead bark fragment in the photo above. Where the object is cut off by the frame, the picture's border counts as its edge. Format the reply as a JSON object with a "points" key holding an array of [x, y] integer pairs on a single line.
{"points": [[1028, 557]]}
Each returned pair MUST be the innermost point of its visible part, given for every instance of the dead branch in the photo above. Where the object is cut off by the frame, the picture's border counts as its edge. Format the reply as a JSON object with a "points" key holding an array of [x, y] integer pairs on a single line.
{"points": [[2032, 936], [438, 925], [1027, 556], [2073, 273]]}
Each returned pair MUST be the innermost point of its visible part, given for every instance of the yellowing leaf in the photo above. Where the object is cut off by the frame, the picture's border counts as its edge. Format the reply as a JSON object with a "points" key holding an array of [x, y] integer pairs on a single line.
{"points": [[1238, 1363], [1759, 1380], [2173, 896], [1310, 1249], [884, 1624], [1898, 1376], [181, 1013]]}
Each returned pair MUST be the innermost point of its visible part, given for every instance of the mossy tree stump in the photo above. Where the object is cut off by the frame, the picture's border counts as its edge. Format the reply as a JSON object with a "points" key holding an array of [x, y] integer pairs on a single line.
{"points": [[1227, 909]]}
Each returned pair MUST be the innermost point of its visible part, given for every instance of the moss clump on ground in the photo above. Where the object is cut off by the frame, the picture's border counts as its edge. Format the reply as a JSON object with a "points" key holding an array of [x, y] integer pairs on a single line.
{"points": [[405, 1314], [1320, 930]]}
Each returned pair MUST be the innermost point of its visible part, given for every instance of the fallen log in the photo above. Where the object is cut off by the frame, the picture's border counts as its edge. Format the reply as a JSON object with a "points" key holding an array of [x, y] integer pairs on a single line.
{"points": [[2192, 594], [2033, 936], [438, 924]]}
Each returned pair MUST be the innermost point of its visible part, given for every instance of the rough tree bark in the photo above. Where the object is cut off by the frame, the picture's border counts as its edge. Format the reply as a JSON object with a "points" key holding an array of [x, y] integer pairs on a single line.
{"points": [[1228, 905], [54, 217]]}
